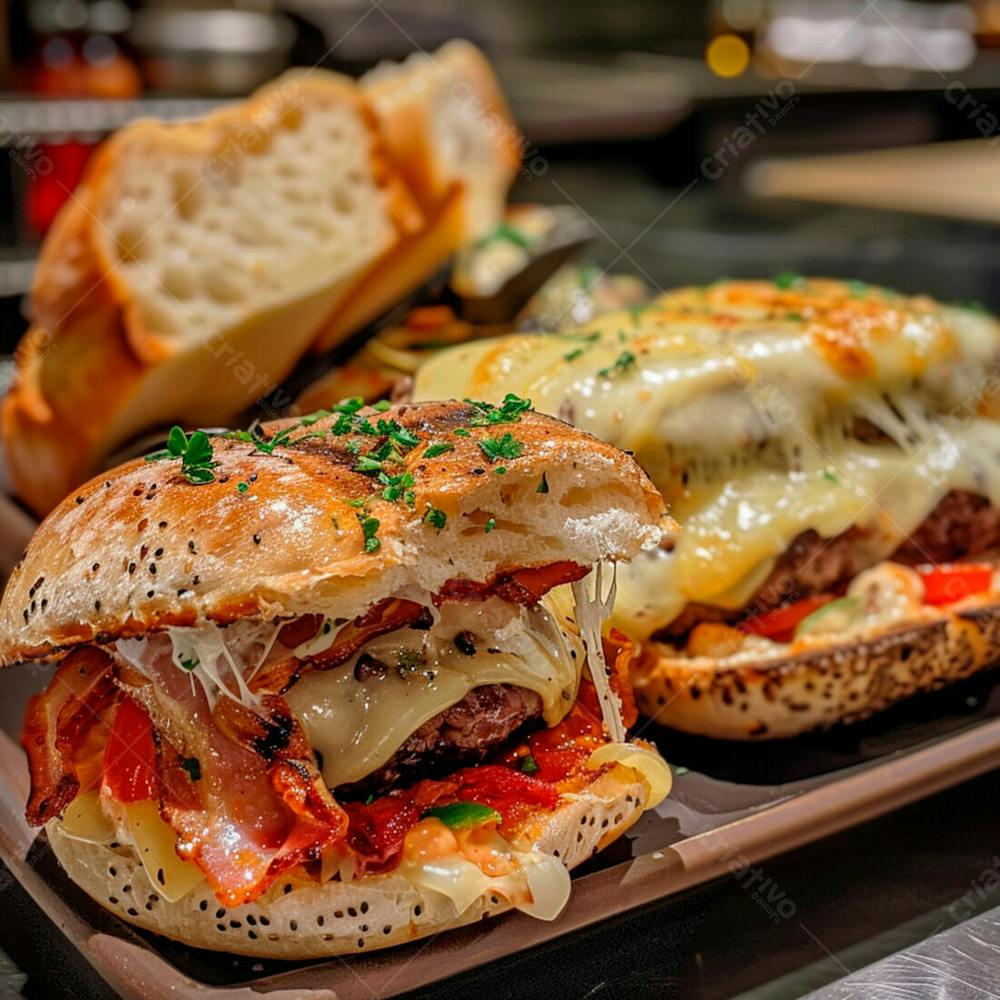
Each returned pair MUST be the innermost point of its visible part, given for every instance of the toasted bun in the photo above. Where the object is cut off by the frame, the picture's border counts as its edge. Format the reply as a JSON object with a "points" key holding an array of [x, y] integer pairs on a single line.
{"points": [[740, 698], [142, 548], [313, 921]]}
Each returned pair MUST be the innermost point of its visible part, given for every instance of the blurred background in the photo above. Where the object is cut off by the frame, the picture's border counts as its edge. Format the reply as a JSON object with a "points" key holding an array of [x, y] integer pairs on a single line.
{"points": [[704, 139]]}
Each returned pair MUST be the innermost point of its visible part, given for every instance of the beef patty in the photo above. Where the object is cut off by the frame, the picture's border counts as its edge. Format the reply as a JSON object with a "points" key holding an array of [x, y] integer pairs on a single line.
{"points": [[460, 735], [963, 524]]}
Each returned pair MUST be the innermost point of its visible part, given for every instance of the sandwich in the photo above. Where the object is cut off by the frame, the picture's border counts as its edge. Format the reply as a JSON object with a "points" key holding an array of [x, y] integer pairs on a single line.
{"points": [[199, 263], [335, 683], [830, 450]]}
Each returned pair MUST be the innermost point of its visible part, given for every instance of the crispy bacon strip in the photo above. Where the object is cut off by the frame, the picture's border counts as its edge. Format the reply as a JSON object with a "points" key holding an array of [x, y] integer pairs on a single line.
{"points": [[64, 731], [519, 586], [386, 616], [259, 806]]}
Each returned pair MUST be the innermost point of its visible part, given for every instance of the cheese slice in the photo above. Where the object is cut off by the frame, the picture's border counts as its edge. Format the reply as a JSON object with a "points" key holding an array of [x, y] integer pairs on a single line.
{"points": [[357, 719]]}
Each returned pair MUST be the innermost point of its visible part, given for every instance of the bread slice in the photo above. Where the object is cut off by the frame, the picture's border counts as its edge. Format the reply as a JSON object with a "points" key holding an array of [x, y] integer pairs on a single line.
{"points": [[447, 122], [750, 697], [192, 269]]}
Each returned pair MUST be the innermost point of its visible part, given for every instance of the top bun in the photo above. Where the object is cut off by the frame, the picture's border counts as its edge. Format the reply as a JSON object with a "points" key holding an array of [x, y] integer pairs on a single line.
{"points": [[142, 548]]}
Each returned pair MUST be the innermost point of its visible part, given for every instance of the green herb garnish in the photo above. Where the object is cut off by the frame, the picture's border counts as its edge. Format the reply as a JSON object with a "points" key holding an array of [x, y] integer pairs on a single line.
{"points": [[195, 453], [464, 815], [242, 487], [830, 477], [789, 280], [369, 531], [573, 355], [621, 364], [506, 232], [505, 446], [528, 764], [490, 525], [382, 405], [397, 487], [462, 432], [432, 451], [508, 412], [436, 518], [543, 485]]}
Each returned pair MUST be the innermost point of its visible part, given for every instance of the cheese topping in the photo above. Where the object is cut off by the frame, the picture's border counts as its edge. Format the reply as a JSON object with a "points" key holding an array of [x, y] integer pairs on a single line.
{"points": [[741, 401], [358, 717]]}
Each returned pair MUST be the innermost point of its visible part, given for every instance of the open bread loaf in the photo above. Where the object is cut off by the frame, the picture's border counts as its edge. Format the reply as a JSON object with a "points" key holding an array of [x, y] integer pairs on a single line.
{"points": [[198, 262]]}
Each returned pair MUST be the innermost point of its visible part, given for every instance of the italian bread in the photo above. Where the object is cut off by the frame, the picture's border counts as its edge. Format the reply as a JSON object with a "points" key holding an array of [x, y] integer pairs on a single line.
{"points": [[447, 123]]}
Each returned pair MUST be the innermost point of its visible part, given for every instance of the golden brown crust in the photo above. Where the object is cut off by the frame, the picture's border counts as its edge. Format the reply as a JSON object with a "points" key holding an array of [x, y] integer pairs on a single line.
{"points": [[839, 683], [142, 548]]}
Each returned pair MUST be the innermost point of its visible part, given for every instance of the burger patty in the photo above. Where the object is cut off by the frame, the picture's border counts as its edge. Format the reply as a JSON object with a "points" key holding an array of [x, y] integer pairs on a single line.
{"points": [[963, 524], [460, 735]]}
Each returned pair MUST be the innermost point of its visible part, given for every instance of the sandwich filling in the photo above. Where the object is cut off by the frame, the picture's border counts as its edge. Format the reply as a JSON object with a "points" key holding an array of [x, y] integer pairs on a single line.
{"points": [[413, 739], [801, 430]]}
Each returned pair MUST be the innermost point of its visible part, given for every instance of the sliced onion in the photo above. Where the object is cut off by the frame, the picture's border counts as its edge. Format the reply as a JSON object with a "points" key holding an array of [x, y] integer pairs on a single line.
{"points": [[647, 763]]}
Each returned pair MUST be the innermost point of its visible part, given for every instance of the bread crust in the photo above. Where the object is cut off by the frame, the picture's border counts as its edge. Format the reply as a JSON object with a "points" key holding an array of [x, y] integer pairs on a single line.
{"points": [[142, 548], [315, 921], [91, 329], [743, 699]]}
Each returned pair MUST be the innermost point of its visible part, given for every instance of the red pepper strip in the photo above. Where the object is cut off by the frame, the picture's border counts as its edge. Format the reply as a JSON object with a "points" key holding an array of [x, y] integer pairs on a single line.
{"points": [[779, 623], [130, 757], [949, 582]]}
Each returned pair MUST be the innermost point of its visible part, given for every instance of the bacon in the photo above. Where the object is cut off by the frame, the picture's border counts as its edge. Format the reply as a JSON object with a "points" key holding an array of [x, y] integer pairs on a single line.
{"points": [[386, 616], [519, 586], [65, 730], [257, 809]]}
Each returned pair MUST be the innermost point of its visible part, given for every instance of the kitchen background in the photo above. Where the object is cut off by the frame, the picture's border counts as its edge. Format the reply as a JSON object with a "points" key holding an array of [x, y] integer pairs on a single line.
{"points": [[739, 137]]}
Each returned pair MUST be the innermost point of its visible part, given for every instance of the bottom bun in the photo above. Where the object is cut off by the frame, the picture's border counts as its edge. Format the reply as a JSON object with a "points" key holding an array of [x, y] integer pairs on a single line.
{"points": [[746, 697], [297, 919]]}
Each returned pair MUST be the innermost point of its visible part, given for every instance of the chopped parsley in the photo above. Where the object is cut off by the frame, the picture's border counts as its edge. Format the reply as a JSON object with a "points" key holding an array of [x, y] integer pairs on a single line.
{"points": [[242, 487], [262, 444], [382, 405], [543, 485], [789, 280], [195, 453], [397, 487], [433, 450], [508, 412], [462, 432], [573, 355], [435, 518], [368, 464], [193, 767], [507, 233], [621, 364], [369, 531], [189, 664], [505, 446], [636, 311], [500, 470], [830, 477], [528, 764], [490, 525]]}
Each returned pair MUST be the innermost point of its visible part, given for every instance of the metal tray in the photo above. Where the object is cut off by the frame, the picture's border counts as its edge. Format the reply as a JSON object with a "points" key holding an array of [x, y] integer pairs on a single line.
{"points": [[732, 806]]}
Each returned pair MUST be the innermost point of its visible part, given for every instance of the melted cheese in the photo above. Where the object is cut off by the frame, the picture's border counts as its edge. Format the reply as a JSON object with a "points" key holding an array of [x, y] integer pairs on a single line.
{"points": [[358, 723], [646, 762], [740, 401], [138, 824]]}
